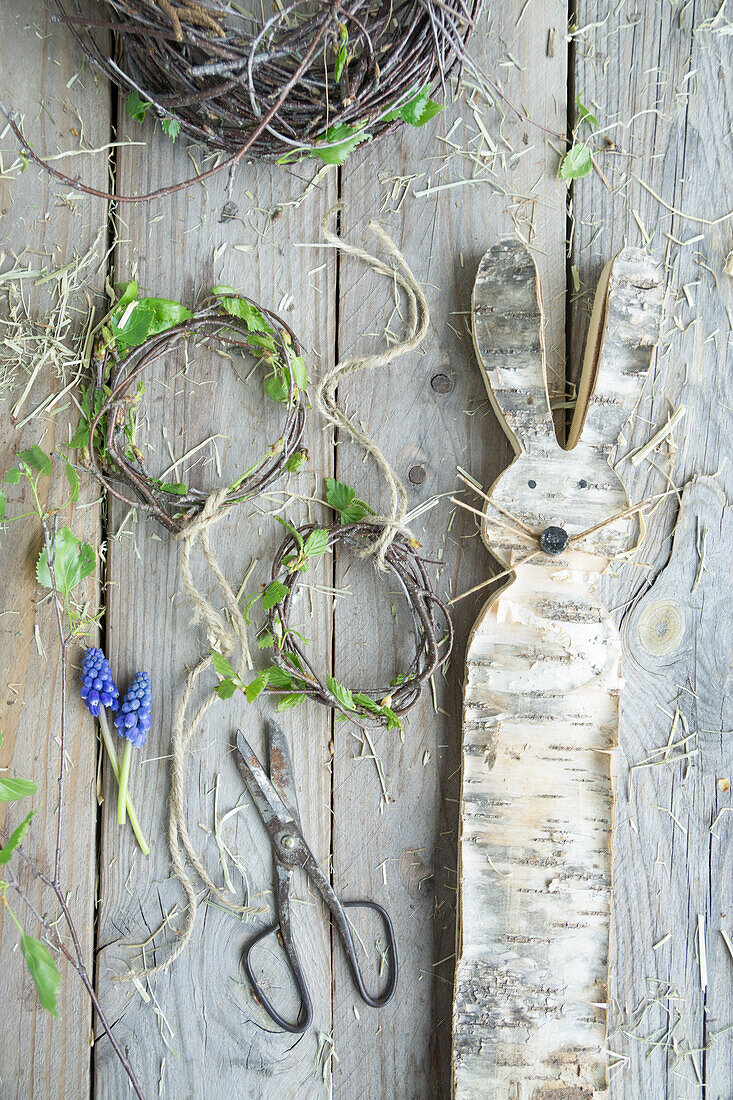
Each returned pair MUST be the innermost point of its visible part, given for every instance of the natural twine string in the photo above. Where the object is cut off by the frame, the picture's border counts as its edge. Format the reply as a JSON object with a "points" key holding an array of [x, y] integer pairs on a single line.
{"points": [[224, 641], [418, 322]]}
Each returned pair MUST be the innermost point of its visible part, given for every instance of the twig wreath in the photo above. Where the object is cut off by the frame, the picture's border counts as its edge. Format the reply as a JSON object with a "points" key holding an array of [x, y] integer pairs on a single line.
{"points": [[108, 407], [299, 678], [314, 71]]}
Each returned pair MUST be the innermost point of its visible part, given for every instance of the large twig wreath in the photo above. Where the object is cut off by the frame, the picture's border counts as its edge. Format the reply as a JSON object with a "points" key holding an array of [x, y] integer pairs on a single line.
{"points": [[240, 81]]}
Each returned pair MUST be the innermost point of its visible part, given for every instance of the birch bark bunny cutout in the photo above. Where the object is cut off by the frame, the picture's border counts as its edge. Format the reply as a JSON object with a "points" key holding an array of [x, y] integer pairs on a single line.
{"points": [[541, 695]]}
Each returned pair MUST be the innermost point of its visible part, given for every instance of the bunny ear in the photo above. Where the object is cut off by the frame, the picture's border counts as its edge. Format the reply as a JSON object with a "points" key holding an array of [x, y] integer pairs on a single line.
{"points": [[624, 329], [508, 335]]}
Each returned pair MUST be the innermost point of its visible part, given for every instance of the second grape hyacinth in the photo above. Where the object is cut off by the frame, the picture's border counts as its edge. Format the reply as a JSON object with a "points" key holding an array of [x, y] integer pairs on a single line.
{"points": [[132, 722]]}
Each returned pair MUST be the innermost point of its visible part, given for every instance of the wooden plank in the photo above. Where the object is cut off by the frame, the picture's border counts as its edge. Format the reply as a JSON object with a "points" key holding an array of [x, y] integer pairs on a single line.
{"points": [[425, 432], [667, 83], [40, 76], [178, 249]]}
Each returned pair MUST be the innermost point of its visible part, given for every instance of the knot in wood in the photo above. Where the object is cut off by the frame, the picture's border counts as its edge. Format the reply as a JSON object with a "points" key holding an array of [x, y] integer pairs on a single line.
{"points": [[661, 627]]}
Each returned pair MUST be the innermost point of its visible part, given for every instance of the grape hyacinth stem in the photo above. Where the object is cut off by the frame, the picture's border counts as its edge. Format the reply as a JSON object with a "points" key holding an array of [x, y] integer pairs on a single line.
{"points": [[123, 781], [109, 744]]}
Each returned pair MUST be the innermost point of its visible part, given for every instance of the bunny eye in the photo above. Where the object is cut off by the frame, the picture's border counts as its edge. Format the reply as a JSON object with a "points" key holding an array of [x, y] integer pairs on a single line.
{"points": [[532, 484], [582, 484]]}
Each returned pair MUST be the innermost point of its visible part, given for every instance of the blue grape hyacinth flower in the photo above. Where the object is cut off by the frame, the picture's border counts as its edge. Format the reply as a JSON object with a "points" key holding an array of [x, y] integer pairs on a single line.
{"points": [[97, 686], [133, 723], [133, 717], [100, 694]]}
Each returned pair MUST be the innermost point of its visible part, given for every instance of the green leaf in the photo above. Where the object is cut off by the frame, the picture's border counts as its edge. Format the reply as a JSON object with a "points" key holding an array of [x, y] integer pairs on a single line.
{"points": [[3, 505], [343, 499], [296, 461], [264, 341], [257, 686], [277, 389], [289, 701], [73, 479], [15, 838], [342, 54], [279, 678], [36, 459], [73, 560], [393, 722], [298, 371], [266, 640], [367, 702], [340, 693], [293, 659], [316, 544], [135, 107], [175, 488], [356, 512], [127, 293], [147, 317], [171, 127], [43, 970], [343, 139], [248, 603], [12, 477], [338, 494], [417, 111], [13, 789], [584, 114], [577, 162], [241, 308], [274, 592], [293, 530], [225, 688], [222, 666]]}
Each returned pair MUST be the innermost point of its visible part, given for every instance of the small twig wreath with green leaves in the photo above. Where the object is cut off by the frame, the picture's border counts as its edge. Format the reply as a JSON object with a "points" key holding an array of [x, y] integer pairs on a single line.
{"points": [[292, 676], [138, 333]]}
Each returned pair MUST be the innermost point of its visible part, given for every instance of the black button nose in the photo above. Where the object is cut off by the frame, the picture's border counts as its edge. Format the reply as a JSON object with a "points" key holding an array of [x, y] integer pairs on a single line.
{"points": [[554, 540]]}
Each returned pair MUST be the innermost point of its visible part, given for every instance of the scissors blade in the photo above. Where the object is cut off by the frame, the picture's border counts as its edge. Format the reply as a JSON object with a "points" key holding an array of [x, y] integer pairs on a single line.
{"points": [[275, 814], [281, 768]]}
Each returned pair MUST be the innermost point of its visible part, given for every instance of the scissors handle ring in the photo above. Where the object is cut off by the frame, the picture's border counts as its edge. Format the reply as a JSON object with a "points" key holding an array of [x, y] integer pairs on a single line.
{"points": [[388, 994], [305, 1012]]}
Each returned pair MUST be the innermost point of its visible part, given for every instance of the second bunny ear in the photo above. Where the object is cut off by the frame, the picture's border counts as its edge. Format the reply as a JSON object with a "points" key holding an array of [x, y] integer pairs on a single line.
{"points": [[508, 335], [624, 329]]}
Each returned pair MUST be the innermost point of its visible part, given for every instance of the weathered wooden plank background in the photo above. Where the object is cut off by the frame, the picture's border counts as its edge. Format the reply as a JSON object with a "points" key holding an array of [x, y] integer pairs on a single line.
{"points": [[659, 78]]}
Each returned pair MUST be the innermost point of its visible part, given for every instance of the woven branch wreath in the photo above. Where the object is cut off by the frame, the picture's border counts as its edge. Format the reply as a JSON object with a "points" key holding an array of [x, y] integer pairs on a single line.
{"points": [[108, 406], [294, 677], [332, 72]]}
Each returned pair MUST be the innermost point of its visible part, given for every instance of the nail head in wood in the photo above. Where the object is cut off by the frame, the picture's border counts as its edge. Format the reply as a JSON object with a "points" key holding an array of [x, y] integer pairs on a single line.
{"points": [[442, 383], [417, 475]]}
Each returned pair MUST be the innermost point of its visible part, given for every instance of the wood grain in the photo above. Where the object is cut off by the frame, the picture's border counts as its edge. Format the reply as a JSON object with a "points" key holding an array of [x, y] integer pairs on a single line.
{"points": [[665, 126], [41, 1056]]}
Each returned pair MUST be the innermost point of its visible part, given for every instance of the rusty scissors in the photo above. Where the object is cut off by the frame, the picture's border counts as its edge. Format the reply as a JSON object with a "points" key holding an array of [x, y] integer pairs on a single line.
{"points": [[276, 800]]}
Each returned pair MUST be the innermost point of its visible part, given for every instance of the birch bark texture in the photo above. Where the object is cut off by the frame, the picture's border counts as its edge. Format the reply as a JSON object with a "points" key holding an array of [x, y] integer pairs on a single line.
{"points": [[541, 697]]}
